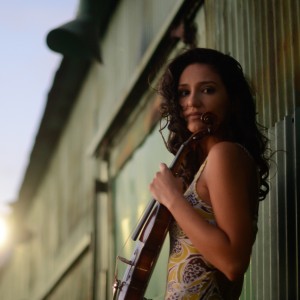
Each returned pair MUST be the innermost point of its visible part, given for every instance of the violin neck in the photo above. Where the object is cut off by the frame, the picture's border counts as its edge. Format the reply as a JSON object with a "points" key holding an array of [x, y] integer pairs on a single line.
{"points": [[173, 166], [143, 220]]}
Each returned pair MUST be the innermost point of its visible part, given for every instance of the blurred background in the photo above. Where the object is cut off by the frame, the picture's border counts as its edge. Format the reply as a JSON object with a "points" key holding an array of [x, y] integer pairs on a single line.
{"points": [[26, 74], [80, 140]]}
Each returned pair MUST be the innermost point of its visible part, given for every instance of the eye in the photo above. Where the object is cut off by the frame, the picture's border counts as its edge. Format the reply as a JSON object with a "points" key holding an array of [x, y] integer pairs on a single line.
{"points": [[208, 90], [183, 93]]}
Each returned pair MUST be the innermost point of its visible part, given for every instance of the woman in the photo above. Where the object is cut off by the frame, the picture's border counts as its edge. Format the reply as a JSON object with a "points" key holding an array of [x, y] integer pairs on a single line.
{"points": [[215, 221]]}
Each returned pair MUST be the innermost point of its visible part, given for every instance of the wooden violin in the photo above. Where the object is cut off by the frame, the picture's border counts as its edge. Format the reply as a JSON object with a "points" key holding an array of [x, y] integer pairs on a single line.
{"points": [[150, 234]]}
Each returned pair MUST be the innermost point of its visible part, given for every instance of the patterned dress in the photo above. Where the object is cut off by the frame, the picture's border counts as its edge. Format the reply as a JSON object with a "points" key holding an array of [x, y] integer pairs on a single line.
{"points": [[190, 276]]}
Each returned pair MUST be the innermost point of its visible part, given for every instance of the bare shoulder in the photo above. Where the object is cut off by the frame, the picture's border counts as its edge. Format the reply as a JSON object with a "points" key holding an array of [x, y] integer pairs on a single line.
{"points": [[230, 152], [231, 159], [231, 179]]}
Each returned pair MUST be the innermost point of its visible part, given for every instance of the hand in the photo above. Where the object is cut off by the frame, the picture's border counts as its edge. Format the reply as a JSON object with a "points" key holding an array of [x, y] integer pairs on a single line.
{"points": [[165, 188]]}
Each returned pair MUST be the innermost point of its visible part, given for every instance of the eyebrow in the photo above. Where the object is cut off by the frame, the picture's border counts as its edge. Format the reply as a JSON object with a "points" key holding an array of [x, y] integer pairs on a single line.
{"points": [[201, 83]]}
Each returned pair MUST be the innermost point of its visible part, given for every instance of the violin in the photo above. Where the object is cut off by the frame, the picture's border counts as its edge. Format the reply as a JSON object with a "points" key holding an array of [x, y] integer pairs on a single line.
{"points": [[151, 232]]}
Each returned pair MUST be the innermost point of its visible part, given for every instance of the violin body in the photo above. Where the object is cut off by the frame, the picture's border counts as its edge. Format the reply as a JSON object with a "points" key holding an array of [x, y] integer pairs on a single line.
{"points": [[151, 234], [145, 255]]}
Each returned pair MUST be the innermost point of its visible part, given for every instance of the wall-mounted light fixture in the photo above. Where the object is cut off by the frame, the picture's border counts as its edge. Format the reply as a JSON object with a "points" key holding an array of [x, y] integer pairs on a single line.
{"points": [[80, 37]]}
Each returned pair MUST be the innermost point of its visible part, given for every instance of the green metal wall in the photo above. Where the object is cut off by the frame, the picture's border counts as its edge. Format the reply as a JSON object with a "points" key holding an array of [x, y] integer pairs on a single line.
{"points": [[274, 269], [265, 37]]}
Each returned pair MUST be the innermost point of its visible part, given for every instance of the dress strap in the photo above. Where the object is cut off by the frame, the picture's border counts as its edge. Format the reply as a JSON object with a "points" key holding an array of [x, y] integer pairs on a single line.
{"points": [[199, 172]]}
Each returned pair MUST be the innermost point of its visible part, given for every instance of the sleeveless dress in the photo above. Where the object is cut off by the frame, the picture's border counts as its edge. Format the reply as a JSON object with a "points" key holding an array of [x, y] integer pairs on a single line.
{"points": [[190, 276]]}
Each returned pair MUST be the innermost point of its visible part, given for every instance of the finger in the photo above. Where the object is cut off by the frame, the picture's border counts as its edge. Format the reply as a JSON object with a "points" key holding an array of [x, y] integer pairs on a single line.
{"points": [[162, 166]]}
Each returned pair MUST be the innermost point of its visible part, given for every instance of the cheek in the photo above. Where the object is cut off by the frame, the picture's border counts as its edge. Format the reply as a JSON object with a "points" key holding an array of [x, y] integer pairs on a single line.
{"points": [[182, 105]]}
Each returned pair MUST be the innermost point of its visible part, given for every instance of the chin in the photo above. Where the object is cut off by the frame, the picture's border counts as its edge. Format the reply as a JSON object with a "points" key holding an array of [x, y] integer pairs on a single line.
{"points": [[195, 128]]}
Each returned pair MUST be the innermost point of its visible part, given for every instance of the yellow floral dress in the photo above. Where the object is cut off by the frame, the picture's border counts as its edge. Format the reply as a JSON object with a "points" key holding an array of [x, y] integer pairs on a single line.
{"points": [[190, 276]]}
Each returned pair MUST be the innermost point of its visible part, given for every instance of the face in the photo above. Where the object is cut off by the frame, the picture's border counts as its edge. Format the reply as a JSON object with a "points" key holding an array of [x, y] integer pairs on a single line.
{"points": [[201, 90]]}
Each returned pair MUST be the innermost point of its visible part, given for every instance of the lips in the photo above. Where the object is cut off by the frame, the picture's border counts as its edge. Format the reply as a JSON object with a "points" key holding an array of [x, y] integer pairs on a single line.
{"points": [[194, 115]]}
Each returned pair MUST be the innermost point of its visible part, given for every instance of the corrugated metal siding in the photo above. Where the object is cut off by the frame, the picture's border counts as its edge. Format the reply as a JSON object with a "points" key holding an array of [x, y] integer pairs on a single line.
{"points": [[264, 36], [274, 270]]}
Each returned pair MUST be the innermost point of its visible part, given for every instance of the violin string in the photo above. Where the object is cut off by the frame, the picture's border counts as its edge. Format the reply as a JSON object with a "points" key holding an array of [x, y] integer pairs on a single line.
{"points": [[132, 230], [121, 250]]}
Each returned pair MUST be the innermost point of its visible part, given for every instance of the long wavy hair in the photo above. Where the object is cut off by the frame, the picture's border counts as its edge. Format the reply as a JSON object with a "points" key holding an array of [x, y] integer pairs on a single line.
{"points": [[243, 126]]}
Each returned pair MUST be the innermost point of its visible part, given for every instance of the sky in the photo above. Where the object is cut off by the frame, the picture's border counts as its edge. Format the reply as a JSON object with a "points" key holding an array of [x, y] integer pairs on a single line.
{"points": [[27, 68]]}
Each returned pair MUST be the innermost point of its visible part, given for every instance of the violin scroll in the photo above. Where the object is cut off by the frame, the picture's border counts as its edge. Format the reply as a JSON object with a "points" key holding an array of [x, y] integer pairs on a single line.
{"points": [[208, 119]]}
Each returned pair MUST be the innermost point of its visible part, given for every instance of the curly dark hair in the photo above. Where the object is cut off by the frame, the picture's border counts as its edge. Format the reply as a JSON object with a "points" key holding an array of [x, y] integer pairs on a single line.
{"points": [[243, 126]]}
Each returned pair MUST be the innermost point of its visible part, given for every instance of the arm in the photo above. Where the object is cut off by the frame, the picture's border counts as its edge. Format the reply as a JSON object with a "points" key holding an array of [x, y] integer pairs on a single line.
{"points": [[230, 180]]}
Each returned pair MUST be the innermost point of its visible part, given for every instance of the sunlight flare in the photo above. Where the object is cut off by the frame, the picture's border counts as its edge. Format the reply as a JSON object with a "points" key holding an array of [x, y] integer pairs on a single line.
{"points": [[4, 232]]}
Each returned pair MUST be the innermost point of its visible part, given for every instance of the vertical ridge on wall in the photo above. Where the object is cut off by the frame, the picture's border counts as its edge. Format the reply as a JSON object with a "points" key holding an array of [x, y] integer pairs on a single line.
{"points": [[295, 13], [280, 82], [279, 197], [259, 57], [291, 206], [269, 68], [297, 178]]}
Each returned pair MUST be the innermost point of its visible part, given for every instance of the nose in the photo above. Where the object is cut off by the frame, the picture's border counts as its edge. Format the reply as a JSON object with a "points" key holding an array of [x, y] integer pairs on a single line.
{"points": [[193, 100]]}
